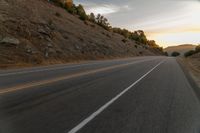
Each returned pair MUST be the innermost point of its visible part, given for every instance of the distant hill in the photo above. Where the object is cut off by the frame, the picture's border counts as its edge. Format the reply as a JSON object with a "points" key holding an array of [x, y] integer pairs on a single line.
{"points": [[39, 32], [180, 48]]}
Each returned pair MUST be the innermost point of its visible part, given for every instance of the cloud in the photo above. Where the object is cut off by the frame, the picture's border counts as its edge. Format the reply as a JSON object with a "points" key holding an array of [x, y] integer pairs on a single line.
{"points": [[103, 9], [152, 16]]}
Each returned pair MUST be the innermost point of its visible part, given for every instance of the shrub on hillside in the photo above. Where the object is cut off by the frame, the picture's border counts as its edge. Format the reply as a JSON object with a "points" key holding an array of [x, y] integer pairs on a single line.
{"points": [[81, 12], [72, 10], [124, 40], [192, 52], [175, 54], [58, 14], [166, 54], [197, 49], [122, 32], [189, 53], [136, 46], [58, 3], [92, 17], [102, 21]]}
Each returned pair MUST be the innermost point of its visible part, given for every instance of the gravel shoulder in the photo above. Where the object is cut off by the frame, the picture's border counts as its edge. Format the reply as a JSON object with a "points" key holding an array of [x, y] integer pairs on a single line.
{"points": [[191, 66]]}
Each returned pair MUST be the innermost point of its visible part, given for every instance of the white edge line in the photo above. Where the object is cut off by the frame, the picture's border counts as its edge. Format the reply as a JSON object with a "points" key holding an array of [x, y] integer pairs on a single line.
{"points": [[101, 109]]}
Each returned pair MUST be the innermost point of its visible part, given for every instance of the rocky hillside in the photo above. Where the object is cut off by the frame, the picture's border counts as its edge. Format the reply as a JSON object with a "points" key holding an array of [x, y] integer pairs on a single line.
{"points": [[36, 32], [182, 49]]}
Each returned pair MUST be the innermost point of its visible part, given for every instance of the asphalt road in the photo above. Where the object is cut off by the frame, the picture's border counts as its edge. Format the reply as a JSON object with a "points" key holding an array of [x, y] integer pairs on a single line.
{"points": [[135, 95]]}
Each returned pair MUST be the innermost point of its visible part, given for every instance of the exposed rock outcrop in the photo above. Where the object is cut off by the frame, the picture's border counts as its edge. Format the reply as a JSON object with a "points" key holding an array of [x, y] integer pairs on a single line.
{"points": [[9, 41]]}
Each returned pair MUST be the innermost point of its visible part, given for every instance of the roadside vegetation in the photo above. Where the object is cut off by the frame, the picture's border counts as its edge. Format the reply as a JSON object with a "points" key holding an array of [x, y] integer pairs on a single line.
{"points": [[192, 52], [138, 36], [175, 54]]}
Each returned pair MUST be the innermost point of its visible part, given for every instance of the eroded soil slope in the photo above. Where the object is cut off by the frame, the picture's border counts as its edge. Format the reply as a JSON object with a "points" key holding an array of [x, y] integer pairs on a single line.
{"points": [[36, 32]]}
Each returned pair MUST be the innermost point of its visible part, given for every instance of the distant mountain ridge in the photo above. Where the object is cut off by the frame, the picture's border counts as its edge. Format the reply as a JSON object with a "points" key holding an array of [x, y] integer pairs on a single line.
{"points": [[182, 49]]}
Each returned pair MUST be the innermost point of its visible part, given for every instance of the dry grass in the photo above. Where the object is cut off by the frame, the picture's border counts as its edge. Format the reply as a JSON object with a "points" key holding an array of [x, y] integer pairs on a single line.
{"points": [[193, 66], [45, 28]]}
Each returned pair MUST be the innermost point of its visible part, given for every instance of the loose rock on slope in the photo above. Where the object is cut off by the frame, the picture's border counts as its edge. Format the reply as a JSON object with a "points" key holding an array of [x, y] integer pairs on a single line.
{"points": [[42, 37]]}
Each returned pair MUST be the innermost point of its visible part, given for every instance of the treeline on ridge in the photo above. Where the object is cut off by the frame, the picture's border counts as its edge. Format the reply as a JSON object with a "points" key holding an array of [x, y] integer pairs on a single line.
{"points": [[138, 36]]}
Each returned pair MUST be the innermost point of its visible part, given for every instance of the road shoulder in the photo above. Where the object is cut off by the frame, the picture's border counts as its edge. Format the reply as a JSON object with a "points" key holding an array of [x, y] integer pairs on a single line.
{"points": [[192, 73]]}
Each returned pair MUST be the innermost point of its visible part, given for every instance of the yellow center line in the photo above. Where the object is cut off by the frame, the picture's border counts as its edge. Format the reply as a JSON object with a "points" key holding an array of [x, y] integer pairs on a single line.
{"points": [[44, 82]]}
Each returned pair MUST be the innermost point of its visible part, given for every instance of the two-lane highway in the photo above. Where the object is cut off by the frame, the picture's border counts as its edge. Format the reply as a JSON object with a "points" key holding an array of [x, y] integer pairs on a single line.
{"points": [[135, 95]]}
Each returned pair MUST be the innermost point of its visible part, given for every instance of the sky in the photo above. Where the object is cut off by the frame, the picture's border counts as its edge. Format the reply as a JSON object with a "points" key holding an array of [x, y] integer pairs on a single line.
{"points": [[168, 22]]}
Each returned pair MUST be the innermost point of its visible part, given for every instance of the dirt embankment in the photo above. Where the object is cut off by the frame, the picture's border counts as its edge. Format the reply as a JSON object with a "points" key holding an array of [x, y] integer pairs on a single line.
{"points": [[36, 32], [192, 65]]}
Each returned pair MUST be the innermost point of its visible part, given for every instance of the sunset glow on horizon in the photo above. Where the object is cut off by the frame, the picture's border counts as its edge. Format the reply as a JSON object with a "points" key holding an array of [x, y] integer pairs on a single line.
{"points": [[170, 39], [168, 22]]}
